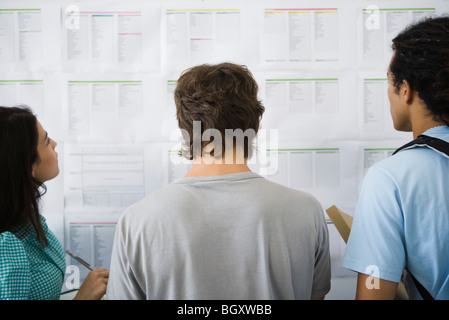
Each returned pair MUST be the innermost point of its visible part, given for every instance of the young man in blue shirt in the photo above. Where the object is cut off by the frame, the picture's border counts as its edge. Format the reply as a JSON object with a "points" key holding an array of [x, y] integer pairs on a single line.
{"points": [[402, 217]]}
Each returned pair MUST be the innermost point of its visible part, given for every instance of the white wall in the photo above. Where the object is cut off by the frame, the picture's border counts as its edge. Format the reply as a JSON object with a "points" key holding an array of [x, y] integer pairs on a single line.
{"points": [[101, 83]]}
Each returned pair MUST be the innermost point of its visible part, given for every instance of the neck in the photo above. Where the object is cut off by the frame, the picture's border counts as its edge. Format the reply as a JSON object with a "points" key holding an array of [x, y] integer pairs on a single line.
{"points": [[421, 119], [422, 124], [206, 167]]}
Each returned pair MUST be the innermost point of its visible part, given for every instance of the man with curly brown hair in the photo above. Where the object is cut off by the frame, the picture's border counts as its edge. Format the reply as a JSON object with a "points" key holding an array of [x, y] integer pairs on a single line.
{"points": [[221, 232], [402, 217]]}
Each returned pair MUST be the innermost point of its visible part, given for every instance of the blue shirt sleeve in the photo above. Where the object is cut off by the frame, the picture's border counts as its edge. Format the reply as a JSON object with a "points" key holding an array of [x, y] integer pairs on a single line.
{"points": [[376, 242], [15, 276]]}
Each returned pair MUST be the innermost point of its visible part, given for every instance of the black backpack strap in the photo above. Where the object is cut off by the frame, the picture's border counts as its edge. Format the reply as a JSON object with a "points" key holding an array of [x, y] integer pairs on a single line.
{"points": [[442, 147], [422, 291], [438, 145]]}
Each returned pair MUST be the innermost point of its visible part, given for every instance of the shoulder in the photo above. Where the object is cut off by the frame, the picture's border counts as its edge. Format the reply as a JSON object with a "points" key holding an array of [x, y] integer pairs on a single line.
{"points": [[9, 243], [278, 193], [12, 253], [15, 277], [154, 202], [406, 166], [298, 207]]}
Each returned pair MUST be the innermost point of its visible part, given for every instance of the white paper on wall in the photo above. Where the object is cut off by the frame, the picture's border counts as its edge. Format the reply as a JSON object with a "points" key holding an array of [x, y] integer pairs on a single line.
{"points": [[115, 37], [100, 75]]}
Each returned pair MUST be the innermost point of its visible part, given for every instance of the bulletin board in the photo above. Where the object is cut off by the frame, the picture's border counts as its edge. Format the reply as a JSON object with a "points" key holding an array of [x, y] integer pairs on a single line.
{"points": [[100, 76]]}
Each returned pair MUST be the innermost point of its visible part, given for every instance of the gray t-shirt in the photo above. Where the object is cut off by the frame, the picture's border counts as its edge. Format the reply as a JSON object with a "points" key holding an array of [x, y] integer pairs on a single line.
{"points": [[236, 236]]}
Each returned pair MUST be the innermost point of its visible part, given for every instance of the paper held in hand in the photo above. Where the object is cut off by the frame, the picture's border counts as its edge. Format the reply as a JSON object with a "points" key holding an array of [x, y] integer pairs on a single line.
{"points": [[341, 220]]}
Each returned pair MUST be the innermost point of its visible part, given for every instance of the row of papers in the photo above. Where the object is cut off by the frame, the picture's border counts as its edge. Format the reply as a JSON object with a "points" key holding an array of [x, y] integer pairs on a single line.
{"points": [[151, 37], [116, 176], [100, 76], [127, 109]]}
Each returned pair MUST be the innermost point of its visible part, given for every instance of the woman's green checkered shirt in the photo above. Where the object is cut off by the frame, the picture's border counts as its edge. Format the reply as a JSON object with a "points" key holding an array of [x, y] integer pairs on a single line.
{"points": [[28, 271]]}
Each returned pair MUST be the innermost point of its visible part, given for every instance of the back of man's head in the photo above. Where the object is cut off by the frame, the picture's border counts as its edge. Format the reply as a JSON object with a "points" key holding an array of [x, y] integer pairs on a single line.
{"points": [[421, 57], [220, 97]]}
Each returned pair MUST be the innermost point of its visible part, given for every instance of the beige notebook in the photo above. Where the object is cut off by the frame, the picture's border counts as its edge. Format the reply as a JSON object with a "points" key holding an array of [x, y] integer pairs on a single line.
{"points": [[341, 220]]}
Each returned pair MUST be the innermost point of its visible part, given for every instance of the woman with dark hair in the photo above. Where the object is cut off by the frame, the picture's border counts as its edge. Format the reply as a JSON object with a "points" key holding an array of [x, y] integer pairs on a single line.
{"points": [[32, 264]]}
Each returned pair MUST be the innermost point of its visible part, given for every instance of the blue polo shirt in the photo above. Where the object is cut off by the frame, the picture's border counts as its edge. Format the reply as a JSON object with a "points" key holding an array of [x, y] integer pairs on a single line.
{"points": [[402, 220]]}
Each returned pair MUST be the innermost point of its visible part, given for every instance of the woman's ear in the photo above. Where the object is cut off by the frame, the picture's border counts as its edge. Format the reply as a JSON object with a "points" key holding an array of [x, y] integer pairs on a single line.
{"points": [[32, 170]]}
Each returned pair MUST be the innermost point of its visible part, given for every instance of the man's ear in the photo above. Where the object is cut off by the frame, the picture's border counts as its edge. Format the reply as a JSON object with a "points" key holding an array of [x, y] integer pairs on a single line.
{"points": [[406, 92]]}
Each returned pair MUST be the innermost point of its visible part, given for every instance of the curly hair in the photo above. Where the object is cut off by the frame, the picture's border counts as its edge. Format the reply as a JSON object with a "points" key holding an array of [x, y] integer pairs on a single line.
{"points": [[221, 97], [422, 59]]}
